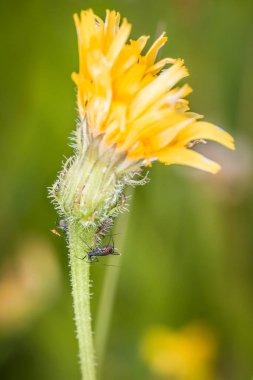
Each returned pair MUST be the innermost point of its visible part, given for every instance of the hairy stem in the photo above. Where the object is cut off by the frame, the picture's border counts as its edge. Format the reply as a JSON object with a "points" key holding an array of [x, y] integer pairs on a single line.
{"points": [[80, 282]]}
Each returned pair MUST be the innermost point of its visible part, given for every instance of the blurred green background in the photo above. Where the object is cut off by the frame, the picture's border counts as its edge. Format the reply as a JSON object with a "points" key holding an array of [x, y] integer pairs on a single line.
{"points": [[189, 250]]}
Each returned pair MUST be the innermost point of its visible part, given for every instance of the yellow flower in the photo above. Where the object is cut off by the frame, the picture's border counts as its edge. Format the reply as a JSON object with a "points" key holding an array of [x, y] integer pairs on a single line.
{"points": [[186, 354], [130, 101]]}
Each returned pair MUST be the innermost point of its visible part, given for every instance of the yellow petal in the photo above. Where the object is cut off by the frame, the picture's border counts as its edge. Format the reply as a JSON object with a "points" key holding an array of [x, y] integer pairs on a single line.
{"points": [[172, 97], [129, 55], [150, 125], [153, 51], [207, 131], [112, 20], [118, 42], [183, 156], [125, 87], [89, 27], [140, 43], [165, 137], [85, 91], [99, 104], [158, 66], [126, 59], [111, 27], [153, 91], [118, 113]]}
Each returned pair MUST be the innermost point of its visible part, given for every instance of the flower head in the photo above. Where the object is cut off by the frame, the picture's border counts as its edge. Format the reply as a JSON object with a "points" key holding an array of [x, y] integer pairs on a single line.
{"points": [[129, 100], [131, 114]]}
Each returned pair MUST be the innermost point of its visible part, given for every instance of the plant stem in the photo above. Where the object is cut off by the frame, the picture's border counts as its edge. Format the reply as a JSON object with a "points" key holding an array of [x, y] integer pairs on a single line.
{"points": [[81, 296]]}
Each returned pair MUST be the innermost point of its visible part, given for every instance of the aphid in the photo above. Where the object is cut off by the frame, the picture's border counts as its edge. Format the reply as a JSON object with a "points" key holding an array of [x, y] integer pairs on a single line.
{"points": [[103, 250], [123, 199], [63, 225], [103, 228]]}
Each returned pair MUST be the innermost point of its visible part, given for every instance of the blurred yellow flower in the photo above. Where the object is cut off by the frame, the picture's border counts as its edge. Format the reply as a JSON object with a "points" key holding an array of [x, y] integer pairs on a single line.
{"points": [[186, 354], [130, 102], [29, 283]]}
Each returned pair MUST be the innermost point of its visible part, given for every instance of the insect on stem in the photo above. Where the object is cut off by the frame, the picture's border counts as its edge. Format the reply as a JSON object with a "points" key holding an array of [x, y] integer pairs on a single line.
{"points": [[103, 250]]}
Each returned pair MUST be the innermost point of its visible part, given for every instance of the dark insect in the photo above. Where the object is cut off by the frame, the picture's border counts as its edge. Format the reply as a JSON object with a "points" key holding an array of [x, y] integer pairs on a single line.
{"points": [[107, 224], [103, 229], [63, 225], [103, 250]]}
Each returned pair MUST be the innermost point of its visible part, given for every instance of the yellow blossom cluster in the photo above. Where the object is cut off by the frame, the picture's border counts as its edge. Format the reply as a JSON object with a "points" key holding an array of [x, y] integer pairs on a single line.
{"points": [[131, 100]]}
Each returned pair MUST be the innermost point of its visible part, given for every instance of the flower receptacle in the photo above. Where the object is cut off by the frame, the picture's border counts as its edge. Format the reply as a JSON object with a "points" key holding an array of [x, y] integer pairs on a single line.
{"points": [[89, 187]]}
